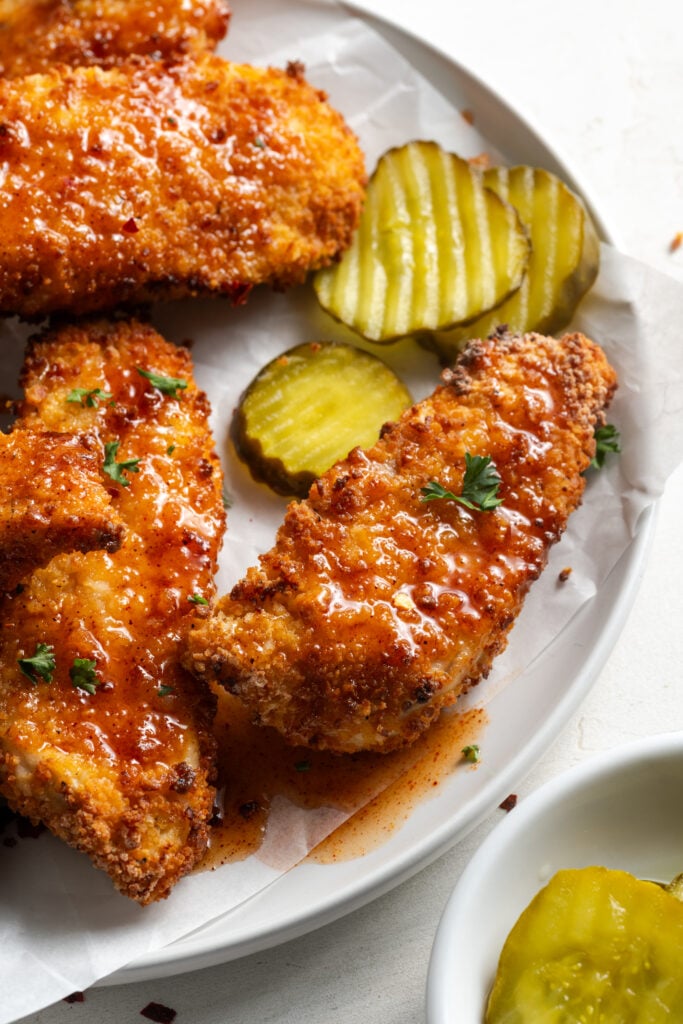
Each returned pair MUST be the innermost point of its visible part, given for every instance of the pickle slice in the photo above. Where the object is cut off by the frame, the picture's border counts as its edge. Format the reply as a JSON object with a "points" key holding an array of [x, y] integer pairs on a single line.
{"points": [[565, 257], [308, 408], [594, 945], [434, 248]]}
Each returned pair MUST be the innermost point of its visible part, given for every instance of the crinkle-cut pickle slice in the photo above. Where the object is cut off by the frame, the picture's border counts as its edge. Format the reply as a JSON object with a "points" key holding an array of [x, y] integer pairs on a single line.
{"points": [[309, 407], [594, 945], [565, 258], [434, 248]]}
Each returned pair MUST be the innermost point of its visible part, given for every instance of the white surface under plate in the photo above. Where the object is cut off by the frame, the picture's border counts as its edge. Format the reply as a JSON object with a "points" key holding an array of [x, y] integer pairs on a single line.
{"points": [[620, 810], [523, 718]]}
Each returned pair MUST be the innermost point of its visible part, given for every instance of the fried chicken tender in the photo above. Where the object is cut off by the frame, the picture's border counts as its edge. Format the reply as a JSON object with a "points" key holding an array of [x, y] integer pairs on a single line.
{"points": [[53, 501], [150, 182], [375, 608], [123, 773], [36, 34]]}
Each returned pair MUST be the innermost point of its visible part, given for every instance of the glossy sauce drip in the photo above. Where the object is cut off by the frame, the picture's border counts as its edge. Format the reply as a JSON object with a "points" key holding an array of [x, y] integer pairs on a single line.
{"points": [[256, 766], [125, 611]]}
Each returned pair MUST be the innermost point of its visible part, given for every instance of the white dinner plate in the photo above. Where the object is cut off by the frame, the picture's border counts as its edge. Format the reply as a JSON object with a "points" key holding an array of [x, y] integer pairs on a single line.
{"points": [[311, 895]]}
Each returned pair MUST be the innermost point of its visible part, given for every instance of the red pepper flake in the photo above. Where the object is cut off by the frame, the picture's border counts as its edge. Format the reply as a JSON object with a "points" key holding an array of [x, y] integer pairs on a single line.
{"points": [[296, 70], [75, 997], [159, 1013], [467, 115], [565, 573], [509, 802], [238, 293], [676, 242], [130, 227]]}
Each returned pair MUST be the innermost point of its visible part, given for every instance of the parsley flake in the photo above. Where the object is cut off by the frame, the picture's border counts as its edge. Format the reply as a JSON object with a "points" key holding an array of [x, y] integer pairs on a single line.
{"points": [[606, 440], [303, 766], [164, 691], [471, 753], [83, 676], [167, 385], [91, 397], [41, 663], [197, 599], [170, 449], [479, 486], [116, 469], [259, 143]]}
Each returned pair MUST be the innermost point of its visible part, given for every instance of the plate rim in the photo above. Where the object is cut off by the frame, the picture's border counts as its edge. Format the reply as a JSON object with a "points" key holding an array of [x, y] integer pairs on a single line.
{"points": [[174, 958]]}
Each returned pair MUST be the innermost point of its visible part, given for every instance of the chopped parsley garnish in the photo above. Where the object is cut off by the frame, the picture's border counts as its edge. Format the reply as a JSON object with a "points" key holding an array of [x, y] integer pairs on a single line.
{"points": [[167, 385], [303, 766], [41, 663], [164, 691], [471, 753], [258, 141], [116, 469], [479, 486], [197, 599], [91, 398], [170, 449], [83, 676], [606, 440], [228, 500]]}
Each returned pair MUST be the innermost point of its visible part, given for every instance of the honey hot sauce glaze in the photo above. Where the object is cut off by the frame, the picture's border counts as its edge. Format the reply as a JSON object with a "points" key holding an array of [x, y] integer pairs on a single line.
{"points": [[374, 792], [124, 772]]}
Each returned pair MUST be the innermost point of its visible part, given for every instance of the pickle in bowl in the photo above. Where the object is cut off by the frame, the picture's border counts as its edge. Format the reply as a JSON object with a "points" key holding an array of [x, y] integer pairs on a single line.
{"points": [[435, 248], [307, 408], [593, 945]]}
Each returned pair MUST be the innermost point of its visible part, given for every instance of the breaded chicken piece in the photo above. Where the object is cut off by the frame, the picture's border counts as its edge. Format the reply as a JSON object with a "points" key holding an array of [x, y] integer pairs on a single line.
{"points": [[122, 773], [150, 182], [36, 34], [376, 608], [53, 500]]}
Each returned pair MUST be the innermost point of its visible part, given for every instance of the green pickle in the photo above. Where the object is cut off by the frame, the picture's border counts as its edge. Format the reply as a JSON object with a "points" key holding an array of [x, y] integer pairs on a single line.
{"points": [[565, 258], [435, 247], [309, 407], [593, 947]]}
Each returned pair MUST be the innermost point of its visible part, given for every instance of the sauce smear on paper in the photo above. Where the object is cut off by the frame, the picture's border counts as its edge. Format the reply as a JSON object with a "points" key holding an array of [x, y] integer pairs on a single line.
{"points": [[256, 767]]}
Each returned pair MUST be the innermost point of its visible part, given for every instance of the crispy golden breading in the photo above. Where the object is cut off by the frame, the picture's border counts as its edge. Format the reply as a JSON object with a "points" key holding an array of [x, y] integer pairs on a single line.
{"points": [[53, 500], [376, 608], [35, 34], [147, 182], [124, 773]]}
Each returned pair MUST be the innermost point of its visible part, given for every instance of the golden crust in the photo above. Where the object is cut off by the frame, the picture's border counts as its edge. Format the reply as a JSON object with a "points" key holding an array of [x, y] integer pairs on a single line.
{"points": [[124, 774], [150, 181], [36, 34], [375, 609], [53, 501]]}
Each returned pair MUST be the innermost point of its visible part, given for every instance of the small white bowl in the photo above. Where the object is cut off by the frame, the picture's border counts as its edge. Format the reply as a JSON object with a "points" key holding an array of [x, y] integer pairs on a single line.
{"points": [[621, 809]]}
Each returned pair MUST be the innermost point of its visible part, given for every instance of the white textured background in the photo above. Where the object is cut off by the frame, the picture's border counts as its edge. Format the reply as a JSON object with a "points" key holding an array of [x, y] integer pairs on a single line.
{"points": [[603, 81]]}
